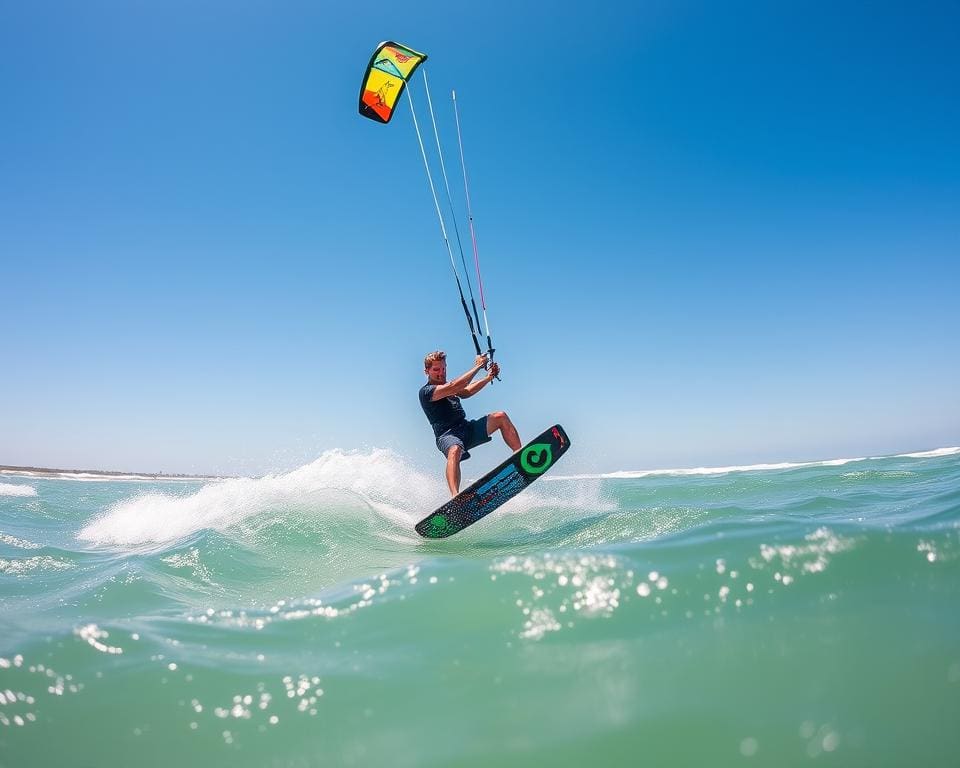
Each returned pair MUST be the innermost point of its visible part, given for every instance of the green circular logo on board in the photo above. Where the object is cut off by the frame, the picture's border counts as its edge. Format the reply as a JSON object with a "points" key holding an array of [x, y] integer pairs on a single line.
{"points": [[537, 458], [437, 525]]}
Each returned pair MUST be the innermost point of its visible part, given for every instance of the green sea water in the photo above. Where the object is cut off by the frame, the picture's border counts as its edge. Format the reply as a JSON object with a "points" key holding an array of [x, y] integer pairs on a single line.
{"points": [[791, 615]]}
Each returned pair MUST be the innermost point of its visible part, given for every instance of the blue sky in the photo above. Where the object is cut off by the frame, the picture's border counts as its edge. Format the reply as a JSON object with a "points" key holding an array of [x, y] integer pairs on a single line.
{"points": [[710, 233]]}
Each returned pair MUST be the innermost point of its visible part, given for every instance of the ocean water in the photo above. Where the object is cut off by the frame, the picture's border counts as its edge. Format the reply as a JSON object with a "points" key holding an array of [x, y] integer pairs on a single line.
{"points": [[776, 615]]}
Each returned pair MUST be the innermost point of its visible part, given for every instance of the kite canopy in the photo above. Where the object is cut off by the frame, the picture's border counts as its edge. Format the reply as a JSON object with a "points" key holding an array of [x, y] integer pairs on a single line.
{"points": [[390, 67]]}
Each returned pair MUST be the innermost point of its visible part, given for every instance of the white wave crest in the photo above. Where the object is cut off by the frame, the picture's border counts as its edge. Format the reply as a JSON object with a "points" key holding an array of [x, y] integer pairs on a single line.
{"points": [[380, 479], [9, 489], [692, 471], [726, 470], [929, 454]]}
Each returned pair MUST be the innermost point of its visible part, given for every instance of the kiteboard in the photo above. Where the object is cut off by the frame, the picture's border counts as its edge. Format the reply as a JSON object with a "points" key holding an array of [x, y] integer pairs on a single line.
{"points": [[497, 486]]}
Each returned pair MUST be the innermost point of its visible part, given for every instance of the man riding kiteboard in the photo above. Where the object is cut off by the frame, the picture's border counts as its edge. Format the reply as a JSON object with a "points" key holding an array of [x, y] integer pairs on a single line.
{"points": [[455, 434]]}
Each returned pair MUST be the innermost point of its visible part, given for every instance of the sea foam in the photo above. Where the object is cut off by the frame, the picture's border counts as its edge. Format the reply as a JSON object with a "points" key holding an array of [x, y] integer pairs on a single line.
{"points": [[930, 454], [694, 471], [9, 489], [377, 480]]}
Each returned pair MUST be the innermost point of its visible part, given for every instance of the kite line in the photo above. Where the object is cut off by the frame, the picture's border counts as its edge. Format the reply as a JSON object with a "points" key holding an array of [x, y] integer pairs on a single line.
{"points": [[387, 75], [443, 230], [473, 234]]}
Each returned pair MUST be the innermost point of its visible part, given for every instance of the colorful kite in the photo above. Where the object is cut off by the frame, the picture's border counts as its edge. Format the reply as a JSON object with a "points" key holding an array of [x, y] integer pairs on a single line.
{"points": [[390, 67]]}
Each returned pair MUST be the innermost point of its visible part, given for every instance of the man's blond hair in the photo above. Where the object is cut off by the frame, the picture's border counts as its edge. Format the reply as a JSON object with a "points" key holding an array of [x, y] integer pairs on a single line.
{"points": [[433, 357]]}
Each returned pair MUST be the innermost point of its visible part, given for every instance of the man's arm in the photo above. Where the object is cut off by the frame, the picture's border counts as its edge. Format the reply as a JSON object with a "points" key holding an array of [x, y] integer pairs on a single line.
{"points": [[472, 389], [460, 383]]}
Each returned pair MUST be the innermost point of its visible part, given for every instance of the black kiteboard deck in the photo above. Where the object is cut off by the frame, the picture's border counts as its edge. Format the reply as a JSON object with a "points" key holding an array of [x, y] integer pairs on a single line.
{"points": [[497, 486]]}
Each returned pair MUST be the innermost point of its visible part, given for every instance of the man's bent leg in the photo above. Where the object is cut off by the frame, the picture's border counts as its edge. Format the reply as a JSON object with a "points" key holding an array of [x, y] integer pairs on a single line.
{"points": [[453, 468], [498, 420]]}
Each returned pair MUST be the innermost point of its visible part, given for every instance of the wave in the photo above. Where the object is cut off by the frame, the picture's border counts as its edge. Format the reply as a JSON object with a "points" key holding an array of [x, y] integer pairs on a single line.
{"points": [[349, 481], [694, 471], [934, 454], [105, 477], [9, 489]]}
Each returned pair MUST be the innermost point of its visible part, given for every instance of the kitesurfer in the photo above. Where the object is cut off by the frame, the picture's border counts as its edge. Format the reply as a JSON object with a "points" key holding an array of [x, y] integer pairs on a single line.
{"points": [[455, 434]]}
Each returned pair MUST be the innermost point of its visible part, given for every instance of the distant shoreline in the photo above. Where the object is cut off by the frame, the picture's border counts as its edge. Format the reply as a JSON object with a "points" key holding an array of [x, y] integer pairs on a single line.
{"points": [[100, 473]]}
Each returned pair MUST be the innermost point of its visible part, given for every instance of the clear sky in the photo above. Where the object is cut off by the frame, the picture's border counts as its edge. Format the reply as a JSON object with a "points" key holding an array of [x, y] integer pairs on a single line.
{"points": [[710, 233]]}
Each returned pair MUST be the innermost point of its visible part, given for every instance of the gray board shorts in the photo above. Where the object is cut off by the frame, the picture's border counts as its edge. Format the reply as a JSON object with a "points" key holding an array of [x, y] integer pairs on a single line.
{"points": [[466, 434]]}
